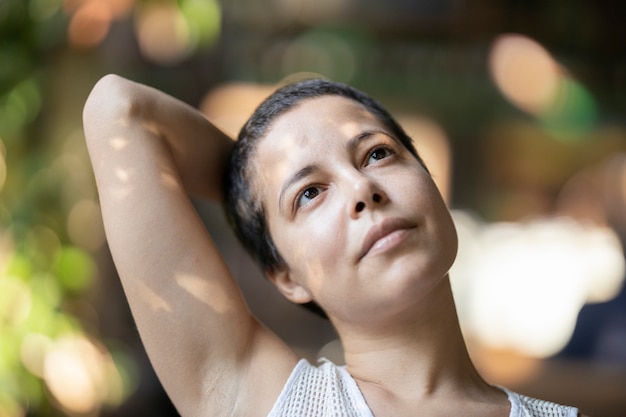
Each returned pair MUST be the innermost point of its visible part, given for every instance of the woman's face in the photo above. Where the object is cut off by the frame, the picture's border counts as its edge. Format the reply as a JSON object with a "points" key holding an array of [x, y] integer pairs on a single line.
{"points": [[360, 224]]}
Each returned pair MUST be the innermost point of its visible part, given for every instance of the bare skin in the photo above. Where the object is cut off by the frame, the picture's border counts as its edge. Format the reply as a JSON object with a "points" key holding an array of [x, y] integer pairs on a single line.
{"points": [[386, 291], [149, 152], [383, 302]]}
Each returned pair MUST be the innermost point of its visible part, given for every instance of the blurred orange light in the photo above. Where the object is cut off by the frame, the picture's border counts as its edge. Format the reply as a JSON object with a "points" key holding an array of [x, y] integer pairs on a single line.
{"points": [[230, 105], [119, 8], [89, 24], [162, 33], [525, 72]]}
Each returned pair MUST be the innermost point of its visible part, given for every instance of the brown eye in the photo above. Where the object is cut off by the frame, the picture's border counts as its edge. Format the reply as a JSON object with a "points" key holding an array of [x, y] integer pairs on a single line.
{"points": [[378, 153], [307, 195]]}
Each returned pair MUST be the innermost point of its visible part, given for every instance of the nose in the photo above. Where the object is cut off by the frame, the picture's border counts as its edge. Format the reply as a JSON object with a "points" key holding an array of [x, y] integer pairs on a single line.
{"points": [[366, 194]]}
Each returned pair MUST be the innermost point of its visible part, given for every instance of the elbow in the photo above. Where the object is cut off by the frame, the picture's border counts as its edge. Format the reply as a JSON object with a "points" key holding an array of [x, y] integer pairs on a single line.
{"points": [[110, 100]]}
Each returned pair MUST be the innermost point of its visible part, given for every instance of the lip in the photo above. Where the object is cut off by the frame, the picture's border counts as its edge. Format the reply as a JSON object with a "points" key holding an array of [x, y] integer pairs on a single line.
{"points": [[388, 228]]}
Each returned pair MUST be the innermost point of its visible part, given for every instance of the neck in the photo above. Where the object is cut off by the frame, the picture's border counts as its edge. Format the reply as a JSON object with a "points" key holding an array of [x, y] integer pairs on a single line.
{"points": [[421, 355]]}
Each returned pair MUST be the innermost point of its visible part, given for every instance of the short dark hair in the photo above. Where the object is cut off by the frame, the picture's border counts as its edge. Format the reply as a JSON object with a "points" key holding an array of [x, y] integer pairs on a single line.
{"points": [[244, 210]]}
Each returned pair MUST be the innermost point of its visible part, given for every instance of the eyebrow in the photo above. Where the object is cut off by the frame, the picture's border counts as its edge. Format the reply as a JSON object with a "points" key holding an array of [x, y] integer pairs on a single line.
{"points": [[304, 172], [355, 141]]}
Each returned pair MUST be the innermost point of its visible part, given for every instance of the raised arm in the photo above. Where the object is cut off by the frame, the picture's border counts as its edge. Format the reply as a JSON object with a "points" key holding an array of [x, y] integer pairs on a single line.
{"points": [[149, 152]]}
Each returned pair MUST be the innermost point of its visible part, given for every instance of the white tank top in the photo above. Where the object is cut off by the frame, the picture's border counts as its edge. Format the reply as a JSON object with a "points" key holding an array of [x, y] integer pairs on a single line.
{"points": [[329, 390]]}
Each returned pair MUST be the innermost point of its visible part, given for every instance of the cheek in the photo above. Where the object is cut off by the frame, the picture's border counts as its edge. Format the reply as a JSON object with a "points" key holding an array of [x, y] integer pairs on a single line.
{"points": [[312, 247]]}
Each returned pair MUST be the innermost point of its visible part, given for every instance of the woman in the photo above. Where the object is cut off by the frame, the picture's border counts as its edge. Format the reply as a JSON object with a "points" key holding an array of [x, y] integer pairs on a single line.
{"points": [[329, 195]]}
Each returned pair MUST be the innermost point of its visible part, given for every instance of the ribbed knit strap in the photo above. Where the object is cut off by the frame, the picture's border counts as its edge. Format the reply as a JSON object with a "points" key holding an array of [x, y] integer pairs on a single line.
{"points": [[314, 391], [524, 406], [330, 391]]}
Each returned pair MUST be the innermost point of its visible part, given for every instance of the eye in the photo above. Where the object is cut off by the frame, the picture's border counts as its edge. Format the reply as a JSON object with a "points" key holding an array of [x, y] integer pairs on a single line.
{"points": [[307, 195], [378, 153]]}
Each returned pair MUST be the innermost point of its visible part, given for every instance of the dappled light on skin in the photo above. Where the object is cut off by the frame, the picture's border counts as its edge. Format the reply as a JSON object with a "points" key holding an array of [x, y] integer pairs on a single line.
{"points": [[552, 266], [150, 297], [122, 174], [151, 127], [205, 291], [170, 180], [118, 143], [122, 188], [120, 193]]}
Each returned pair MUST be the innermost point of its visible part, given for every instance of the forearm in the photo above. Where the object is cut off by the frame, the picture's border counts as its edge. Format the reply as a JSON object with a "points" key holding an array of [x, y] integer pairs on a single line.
{"points": [[198, 149]]}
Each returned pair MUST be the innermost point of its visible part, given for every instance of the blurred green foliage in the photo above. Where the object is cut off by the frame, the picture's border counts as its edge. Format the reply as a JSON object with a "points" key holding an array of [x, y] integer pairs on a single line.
{"points": [[41, 270], [47, 273]]}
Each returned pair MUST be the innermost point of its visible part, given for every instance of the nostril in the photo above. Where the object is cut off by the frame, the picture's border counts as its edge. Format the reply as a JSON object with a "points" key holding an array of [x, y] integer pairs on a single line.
{"points": [[376, 198], [360, 206]]}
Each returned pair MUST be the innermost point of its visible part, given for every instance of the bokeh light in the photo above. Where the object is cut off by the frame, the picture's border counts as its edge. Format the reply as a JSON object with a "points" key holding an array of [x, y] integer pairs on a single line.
{"points": [[15, 301], [78, 374], [525, 72], [91, 19], [531, 79], [229, 105], [163, 33], [553, 266], [74, 269], [89, 24], [19, 107], [321, 52], [204, 18]]}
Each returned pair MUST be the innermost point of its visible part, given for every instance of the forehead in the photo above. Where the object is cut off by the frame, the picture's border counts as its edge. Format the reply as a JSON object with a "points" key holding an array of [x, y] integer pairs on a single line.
{"points": [[305, 133], [315, 119]]}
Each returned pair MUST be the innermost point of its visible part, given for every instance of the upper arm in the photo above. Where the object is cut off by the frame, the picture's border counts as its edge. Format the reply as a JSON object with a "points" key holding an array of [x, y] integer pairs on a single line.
{"points": [[190, 313]]}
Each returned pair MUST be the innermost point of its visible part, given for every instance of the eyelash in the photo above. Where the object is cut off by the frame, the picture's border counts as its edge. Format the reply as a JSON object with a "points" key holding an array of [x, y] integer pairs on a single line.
{"points": [[389, 152], [301, 194], [387, 149]]}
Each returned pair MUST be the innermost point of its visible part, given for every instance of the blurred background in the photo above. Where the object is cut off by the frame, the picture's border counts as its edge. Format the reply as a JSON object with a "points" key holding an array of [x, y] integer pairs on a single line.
{"points": [[517, 106]]}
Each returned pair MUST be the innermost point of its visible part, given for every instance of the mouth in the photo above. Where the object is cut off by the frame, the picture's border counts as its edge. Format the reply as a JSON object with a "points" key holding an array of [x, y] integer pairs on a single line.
{"points": [[385, 236]]}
